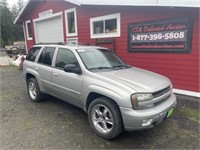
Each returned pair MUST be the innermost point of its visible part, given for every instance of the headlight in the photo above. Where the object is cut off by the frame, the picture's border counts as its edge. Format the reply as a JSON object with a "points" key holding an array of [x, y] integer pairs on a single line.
{"points": [[137, 98], [144, 97]]}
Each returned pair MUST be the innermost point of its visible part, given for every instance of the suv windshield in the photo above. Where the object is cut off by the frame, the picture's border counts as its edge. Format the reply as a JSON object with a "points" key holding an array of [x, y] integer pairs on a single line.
{"points": [[101, 59]]}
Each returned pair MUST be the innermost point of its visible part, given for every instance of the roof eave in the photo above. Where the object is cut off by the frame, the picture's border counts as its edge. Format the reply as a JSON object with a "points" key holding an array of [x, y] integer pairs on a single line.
{"points": [[169, 3], [74, 2], [164, 3], [17, 19]]}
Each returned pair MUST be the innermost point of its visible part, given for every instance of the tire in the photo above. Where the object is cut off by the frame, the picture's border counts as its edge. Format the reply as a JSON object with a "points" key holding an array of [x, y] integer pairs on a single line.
{"points": [[105, 118], [34, 91]]}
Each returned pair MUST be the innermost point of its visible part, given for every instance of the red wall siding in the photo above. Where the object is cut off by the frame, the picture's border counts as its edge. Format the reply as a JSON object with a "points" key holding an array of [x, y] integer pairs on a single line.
{"points": [[181, 68]]}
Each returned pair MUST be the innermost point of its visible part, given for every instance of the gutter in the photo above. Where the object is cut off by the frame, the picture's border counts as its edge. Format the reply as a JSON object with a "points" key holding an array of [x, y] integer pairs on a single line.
{"points": [[164, 3], [158, 3]]}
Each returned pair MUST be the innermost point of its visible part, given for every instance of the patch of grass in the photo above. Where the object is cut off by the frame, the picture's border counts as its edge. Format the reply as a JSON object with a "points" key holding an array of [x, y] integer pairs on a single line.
{"points": [[6, 95], [191, 114], [9, 68]]}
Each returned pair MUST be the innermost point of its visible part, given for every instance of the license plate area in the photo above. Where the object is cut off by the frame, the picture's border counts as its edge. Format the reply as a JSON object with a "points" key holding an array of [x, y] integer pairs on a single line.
{"points": [[170, 112]]}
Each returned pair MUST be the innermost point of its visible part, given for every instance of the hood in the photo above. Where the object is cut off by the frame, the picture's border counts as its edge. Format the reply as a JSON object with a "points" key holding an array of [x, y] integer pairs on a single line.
{"points": [[138, 79]]}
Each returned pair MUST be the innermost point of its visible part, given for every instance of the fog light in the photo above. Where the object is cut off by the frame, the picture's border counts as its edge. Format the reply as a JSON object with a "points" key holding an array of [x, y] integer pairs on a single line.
{"points": [[146, 122]]}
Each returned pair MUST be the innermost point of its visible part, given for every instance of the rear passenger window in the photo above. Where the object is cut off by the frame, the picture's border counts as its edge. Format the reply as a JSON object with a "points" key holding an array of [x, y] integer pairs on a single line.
{"points": [[33, 53], [46, 56], [65, 57]]}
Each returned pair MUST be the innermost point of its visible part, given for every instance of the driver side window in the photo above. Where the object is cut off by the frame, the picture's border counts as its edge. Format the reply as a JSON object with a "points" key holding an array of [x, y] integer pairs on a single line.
{"points": [[65, 57]]}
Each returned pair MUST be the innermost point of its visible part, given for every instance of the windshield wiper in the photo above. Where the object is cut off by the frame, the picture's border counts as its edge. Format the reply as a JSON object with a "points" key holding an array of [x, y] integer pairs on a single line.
{"points": [[122, 66], [96, 68]]}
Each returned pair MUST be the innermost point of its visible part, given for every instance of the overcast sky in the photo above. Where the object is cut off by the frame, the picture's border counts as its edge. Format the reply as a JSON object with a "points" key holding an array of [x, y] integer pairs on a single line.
{"points": [[11, 2]]}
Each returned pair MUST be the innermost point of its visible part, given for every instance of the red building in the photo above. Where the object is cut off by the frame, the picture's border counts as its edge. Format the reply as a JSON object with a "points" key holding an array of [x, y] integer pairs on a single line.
{"points": [[152, 34]]}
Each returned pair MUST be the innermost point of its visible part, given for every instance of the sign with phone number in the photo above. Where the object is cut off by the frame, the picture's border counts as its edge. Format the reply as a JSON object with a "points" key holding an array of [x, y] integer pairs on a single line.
{"points": [[171, 35]]}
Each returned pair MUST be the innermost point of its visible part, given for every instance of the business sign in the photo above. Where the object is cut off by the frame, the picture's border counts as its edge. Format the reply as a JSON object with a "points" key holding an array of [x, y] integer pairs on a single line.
{"points": [[170, 35], [46, 13]]}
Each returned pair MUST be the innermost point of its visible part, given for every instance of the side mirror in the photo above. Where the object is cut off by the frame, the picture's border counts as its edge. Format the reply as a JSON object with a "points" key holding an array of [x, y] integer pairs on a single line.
{"points": [[71, 68]]}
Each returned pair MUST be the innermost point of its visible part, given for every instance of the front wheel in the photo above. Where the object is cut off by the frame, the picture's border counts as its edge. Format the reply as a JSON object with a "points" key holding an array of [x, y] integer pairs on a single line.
{"points": [[34, 90], [105, 118]]}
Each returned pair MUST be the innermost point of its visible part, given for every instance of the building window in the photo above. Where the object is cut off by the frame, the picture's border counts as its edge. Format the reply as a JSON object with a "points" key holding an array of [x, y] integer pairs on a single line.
{"points": [[105, 26], [28, 30], [72, 41], [71, 22]]}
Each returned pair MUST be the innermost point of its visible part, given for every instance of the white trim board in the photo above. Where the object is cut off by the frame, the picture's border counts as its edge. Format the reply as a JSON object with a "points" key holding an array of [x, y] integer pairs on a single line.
{"points": [[48, 17], [184, 92], [168, 3], [24, 30], [27, 31]]}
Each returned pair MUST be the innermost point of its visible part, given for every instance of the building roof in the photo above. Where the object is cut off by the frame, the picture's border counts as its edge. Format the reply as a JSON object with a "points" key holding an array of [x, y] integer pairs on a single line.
{"points": [[170, 3], [166, 3]]}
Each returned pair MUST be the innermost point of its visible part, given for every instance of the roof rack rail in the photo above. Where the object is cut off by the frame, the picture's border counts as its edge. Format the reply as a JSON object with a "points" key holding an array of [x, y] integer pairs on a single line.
{"points": [[59, 43], [77, 43], [64, 43]]}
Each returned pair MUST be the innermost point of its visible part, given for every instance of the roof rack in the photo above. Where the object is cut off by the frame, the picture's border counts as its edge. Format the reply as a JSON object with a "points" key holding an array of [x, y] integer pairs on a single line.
{"points": [[59, 43], [64, 43]]}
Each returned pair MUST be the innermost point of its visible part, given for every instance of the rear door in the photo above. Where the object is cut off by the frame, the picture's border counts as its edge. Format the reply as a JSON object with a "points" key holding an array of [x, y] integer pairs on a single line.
{"points": [[66, 86], [44, 66], [30, 58]]}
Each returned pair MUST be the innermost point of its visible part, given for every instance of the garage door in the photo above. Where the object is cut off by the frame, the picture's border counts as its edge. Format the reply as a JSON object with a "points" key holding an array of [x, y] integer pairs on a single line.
{"points": [[49, 30]]}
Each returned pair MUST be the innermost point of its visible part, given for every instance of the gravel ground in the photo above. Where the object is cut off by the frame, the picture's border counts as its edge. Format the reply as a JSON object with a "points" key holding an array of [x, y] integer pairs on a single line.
{"points": [[54, 124], [5, 59]]}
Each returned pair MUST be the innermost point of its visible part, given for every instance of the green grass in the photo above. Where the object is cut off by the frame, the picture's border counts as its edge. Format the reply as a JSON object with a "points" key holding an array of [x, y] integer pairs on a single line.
{"points": [[9, 68], [191, 114]]}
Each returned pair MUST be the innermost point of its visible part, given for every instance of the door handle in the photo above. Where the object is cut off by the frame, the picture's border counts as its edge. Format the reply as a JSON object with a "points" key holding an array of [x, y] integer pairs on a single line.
{"points": [[55, 74]]}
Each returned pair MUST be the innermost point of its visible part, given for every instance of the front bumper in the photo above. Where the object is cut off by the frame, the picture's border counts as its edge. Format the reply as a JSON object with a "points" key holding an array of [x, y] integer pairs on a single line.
{"points": [[147, 118]]}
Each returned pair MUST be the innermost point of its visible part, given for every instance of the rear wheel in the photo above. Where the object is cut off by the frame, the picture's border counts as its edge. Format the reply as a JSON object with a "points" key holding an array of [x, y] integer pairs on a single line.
{"points": [[105, 118], [34, 90]]}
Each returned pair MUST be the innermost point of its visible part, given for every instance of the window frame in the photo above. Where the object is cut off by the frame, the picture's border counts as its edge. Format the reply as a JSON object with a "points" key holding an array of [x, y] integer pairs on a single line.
{"points": [[31, 53], [27, 31], [105, 18], [75, 21], [44, 50], [57, 55]]}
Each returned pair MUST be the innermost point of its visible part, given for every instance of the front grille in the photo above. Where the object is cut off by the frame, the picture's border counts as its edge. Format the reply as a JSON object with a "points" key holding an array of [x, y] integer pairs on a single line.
{"points": [[161, 101], [158, 98], [161, 92]]}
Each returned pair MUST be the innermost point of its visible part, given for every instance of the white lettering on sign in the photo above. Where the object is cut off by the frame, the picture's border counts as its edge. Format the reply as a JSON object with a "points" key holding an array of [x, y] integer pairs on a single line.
{"points": [[179, 35], [46, 13]]}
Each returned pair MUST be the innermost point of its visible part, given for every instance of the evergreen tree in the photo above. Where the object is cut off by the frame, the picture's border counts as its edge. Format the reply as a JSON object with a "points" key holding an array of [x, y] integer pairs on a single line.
{"points": [[8, 31], [18, 29], [20, 4], [6, 20], [14, 10]]}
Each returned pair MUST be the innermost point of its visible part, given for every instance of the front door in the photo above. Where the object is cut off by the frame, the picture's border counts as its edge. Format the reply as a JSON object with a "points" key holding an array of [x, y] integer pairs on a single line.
{"points": [[66, 86]]}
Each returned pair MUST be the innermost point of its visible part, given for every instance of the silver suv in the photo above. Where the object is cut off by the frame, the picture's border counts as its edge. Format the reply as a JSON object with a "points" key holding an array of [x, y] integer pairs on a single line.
{"points": [[115, 95]]}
